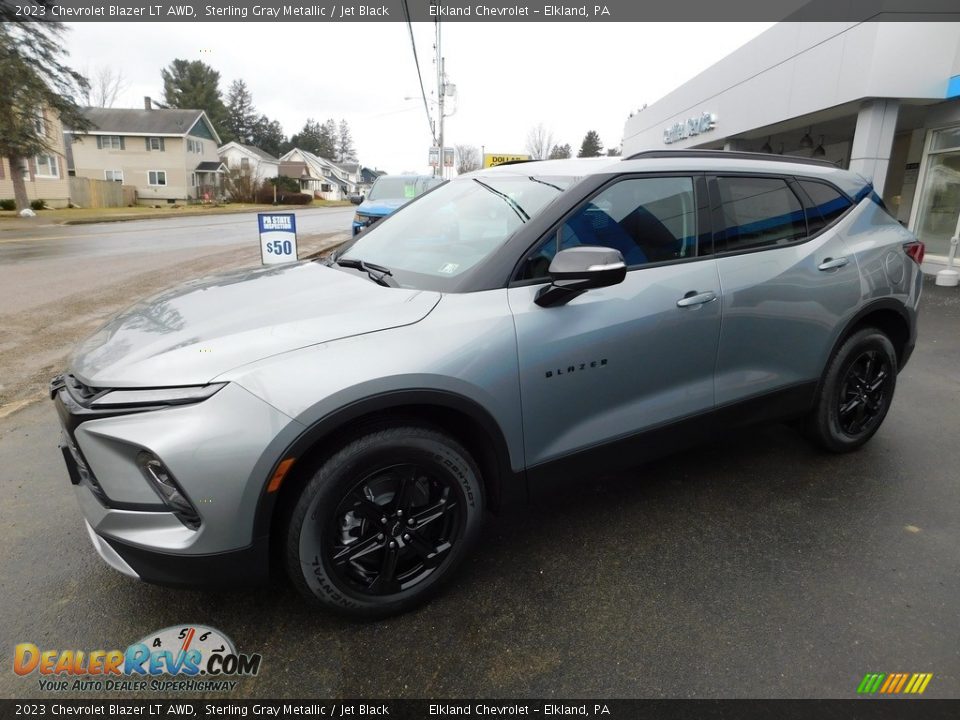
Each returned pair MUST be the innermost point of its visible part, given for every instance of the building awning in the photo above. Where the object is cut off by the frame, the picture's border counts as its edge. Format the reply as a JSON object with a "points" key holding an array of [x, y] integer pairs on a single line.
{"points": [[210, 166]]}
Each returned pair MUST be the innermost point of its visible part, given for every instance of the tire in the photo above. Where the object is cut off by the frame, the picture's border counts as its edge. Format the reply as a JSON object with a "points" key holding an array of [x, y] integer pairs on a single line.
{"points": [[856, 392], [384, 521]]}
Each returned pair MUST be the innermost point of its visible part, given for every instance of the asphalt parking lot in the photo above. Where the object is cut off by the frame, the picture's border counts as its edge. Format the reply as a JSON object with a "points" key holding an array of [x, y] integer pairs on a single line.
{"points": [[754, 567]]}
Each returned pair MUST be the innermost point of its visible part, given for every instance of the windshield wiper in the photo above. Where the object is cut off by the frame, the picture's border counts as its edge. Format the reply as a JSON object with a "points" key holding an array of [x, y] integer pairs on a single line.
{"points": [[377, 273], [521, 213]]}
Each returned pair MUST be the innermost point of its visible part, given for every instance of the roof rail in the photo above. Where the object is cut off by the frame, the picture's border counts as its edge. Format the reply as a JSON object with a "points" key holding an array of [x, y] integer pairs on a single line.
{"points": [[731, 154]]}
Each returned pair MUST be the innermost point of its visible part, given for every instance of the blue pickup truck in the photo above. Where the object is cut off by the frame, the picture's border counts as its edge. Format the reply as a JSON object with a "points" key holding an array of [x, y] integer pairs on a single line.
{"points": [[388, 193]]}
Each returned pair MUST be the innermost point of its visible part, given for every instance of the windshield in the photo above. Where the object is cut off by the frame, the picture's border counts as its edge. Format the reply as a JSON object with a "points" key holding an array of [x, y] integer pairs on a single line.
{"points": [[392, 188], [455, 227]]}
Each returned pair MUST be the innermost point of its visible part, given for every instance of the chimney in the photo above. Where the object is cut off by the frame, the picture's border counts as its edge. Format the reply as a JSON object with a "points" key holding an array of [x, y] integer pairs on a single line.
{"points": [[147, 103]]}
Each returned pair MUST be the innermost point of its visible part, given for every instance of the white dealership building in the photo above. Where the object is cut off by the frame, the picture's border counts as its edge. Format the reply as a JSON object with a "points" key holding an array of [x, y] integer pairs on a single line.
{"points": [[880, 98]]}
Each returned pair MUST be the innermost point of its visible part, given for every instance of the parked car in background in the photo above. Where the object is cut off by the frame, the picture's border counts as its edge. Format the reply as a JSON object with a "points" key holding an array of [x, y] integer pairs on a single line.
{"points": [[351, 420], [388, 193]]}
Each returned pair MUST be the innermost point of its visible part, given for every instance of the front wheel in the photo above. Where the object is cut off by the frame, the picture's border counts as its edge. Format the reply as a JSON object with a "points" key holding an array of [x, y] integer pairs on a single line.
{"points": [[856, 392], [384, 520]]}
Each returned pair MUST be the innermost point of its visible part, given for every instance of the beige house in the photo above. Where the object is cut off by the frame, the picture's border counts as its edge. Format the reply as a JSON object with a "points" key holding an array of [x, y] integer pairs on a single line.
{"points": [[169, 156], [44, 175]]}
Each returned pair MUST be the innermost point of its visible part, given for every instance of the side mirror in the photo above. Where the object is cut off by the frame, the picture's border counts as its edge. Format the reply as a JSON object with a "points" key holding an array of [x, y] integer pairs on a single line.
{"points": [[578, 269]]}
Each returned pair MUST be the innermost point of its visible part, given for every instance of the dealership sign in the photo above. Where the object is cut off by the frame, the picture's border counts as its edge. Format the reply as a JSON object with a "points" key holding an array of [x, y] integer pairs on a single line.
{"points": [[701, 123], [278, 237]]}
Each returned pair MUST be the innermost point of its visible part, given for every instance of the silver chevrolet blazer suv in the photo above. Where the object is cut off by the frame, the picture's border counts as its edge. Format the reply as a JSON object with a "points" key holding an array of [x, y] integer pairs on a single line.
{"points": [[348, 421]]}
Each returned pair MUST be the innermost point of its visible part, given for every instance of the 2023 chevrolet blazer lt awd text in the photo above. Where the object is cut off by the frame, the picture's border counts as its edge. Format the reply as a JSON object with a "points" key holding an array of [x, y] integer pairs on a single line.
{"points": [[351, 420]]}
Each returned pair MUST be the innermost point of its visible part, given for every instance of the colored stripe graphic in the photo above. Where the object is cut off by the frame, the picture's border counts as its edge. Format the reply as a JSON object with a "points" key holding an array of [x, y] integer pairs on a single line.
{"points": [[894, 683]]}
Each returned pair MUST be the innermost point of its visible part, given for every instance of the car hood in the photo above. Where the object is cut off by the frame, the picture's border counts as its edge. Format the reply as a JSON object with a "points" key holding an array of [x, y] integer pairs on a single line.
{"points": [[192, 333], [382, 207]]}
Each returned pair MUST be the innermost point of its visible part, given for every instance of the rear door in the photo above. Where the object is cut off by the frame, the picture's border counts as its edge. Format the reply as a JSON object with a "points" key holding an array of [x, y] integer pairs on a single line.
{"points": [[619, 360], [787, 280]]}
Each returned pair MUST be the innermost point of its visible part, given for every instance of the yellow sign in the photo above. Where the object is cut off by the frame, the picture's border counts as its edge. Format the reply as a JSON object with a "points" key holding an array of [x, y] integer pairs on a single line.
{"points": [[491, 159]]}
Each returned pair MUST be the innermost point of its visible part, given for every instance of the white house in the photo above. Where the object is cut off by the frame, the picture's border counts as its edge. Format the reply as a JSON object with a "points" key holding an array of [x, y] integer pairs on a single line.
{"points": [[263, 164], [318, 176]]}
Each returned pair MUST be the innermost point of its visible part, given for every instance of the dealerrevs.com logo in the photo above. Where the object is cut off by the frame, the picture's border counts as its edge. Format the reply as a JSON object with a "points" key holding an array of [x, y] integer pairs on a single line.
{"points": [[188, 658]]}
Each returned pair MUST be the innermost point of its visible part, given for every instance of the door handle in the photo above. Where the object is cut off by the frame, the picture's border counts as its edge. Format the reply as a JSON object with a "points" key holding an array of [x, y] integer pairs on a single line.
{"points": [[694, 298], [832, 263]]}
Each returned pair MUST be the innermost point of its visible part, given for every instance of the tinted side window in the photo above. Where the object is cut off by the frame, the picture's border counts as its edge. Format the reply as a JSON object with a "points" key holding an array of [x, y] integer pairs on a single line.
{"points": [[757, 212], [827, 204], [647, 219]]}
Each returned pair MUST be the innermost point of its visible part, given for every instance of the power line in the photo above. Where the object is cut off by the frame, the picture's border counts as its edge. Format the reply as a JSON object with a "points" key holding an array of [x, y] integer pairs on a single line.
{"points": [[423, 93]]}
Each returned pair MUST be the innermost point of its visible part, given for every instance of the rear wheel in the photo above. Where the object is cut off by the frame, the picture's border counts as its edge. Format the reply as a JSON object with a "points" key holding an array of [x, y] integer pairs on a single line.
{"points": [[384, 521], [856, 392]]}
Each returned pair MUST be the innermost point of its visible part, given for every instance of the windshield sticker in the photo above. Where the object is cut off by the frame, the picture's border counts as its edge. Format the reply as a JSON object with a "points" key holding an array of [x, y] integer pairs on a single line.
{"points": [[409, 191], [449, 268]]}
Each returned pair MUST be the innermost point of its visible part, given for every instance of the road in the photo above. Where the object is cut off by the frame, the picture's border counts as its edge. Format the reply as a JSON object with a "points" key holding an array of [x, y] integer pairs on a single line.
{"points": [[59, 283], [754, 567]]}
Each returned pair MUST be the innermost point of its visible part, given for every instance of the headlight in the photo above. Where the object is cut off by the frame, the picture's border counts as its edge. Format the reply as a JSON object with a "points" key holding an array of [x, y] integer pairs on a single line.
{"points": [[157, 396], [357, 217]]}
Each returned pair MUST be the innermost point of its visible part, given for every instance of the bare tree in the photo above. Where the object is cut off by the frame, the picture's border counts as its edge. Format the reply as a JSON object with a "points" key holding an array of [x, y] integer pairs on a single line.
{"points": [[240, 183], [539, 142], [106, 84], [468, 158]]}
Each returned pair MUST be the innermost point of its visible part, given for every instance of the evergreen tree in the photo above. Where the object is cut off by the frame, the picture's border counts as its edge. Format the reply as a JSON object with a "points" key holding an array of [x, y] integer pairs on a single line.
{"points": [[310, 138], [591, 145], [36, 86], [241, 115], [196, 85], [560, 152], [328, 140], [268, 136], [345, 149]]}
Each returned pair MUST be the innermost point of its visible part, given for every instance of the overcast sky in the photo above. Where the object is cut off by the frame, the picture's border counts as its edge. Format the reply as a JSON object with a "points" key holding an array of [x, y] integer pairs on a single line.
{"points": [[572, 77]]}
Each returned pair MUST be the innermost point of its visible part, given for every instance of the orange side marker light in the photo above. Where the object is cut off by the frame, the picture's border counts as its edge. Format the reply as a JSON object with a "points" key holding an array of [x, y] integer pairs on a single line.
{"points": [[281, 472]]}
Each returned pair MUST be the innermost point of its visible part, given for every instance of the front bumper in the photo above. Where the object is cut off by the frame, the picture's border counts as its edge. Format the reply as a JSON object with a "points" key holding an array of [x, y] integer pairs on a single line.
{"points": [[247, 566], [221, 451], [359, 225]]}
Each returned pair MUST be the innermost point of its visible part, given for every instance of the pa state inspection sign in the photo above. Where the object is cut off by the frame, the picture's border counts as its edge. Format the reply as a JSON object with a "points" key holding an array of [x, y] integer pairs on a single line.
{"points": [[278, 237]]}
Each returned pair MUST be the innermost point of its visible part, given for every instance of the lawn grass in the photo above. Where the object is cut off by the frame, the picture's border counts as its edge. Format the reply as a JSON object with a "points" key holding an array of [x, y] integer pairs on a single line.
{"points": [[70, 216]]}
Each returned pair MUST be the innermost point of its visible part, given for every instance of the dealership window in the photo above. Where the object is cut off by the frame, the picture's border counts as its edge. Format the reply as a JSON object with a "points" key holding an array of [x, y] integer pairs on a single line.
{"points": [[939, 206], [157, 177], [827, 204], [47, 166], [757, 213], [648, 220], [113, 175], [155, 143], [110, 142]]}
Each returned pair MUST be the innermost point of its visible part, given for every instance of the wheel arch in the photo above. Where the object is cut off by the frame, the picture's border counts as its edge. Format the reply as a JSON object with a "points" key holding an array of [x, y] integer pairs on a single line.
{"points": [[464, 419], [887, 315]]}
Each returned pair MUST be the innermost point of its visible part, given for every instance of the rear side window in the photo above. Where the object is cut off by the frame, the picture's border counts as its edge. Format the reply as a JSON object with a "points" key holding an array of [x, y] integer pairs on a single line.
{"points": [[827, 204], [757, 212]]}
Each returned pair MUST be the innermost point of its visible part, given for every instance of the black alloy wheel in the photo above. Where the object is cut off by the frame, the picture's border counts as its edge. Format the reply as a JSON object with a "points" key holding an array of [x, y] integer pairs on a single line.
{"points": [[394, 528], [384, 520]]}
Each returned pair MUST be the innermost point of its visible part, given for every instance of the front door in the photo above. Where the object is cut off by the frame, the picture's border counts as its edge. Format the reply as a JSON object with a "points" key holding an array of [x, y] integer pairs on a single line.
{"points": [[620, 360]]}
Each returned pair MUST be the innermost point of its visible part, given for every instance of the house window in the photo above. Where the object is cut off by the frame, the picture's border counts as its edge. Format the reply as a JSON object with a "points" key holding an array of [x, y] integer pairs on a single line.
{"points": [[193, 179], [47, 166], [113, 175], [154, 143], [325, 187], [244, 163], [157, 177], [194, 146], [111, 142], [39, 125]]}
